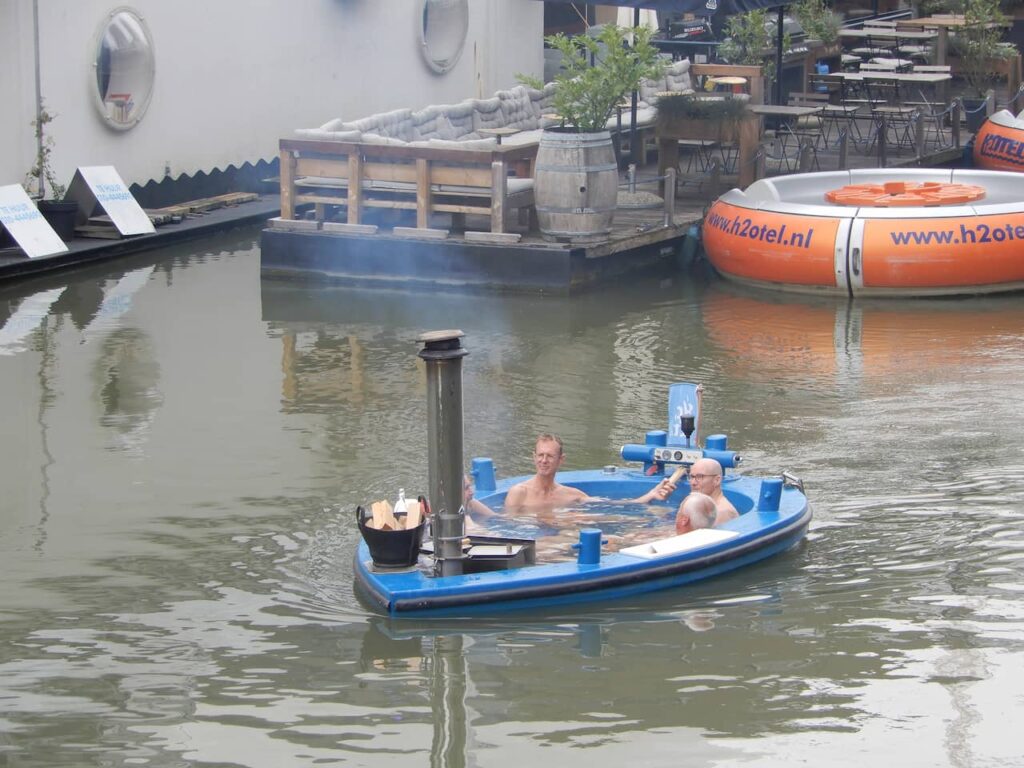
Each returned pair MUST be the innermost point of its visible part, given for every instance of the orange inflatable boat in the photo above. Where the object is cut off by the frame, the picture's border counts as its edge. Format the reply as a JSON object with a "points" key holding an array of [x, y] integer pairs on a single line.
{"points": [[905, 232], [999, 143]]}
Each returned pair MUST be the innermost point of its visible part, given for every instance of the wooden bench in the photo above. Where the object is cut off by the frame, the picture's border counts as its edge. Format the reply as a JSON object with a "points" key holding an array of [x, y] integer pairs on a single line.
{"points": [[358, 176]]}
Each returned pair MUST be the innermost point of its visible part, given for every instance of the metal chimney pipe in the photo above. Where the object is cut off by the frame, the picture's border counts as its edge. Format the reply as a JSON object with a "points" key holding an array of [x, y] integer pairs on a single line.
{"points": [[442, 351]]}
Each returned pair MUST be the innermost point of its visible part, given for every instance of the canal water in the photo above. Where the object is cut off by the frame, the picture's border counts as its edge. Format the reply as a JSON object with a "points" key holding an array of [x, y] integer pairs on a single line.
{"points": [[184, 446]]}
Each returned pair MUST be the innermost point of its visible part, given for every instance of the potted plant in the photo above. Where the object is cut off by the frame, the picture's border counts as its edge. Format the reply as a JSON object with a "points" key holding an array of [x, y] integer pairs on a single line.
{"points": [[750, 39], [708, 116], [818, 21], [576, 180], [41, 182], [978, 44]]}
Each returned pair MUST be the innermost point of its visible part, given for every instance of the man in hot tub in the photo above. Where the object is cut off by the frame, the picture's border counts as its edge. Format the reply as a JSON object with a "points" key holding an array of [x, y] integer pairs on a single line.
{"points": [[706, 477], [543, 491]]}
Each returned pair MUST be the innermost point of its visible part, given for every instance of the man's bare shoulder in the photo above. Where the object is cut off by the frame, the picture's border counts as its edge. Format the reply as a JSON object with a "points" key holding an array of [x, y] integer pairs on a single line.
{"points": [[518, 492], [566, 494]]}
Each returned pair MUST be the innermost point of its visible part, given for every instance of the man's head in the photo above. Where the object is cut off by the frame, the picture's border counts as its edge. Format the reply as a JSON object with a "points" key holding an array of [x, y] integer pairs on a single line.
{"points": [[706, 476], [467, 489], [696, 511], [547, 454]]}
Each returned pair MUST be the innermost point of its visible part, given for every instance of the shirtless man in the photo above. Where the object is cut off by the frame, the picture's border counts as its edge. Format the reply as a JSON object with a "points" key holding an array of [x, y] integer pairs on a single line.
{"points": [[697, 511], [542, 490], [706, 478]]}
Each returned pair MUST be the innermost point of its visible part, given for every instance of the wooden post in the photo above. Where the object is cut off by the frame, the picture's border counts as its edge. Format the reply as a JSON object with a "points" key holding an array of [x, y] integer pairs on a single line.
{"points": [[498, 189], [287, 184], [668, 157], [759, 169], [918, 134], [670, 196], [1013, 76], [955, 116], [355, 186], [422, 193], [806, 157], [750, 128], [716, 177], [881, 138], [941, 48]]}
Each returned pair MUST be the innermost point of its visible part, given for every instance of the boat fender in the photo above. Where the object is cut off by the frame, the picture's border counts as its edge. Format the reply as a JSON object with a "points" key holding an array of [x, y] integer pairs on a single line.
{"points": [[770, 497]]}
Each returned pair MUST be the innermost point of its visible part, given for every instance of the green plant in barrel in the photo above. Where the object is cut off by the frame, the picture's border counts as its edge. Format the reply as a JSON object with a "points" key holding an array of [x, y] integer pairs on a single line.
{"points": [[750, 39], [598, 73]]}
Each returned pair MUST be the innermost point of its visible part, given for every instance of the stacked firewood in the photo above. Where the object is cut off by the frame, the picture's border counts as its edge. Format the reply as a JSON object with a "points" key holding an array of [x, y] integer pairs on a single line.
{"points": [[383, 516]]}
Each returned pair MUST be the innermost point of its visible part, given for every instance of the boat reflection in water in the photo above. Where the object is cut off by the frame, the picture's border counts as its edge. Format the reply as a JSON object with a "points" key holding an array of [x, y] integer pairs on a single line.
{"points": [[797, 338]]}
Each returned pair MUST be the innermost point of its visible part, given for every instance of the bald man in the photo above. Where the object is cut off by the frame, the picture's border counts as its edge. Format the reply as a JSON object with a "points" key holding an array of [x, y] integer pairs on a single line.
{"points": [[697, 511], [706, 478]]}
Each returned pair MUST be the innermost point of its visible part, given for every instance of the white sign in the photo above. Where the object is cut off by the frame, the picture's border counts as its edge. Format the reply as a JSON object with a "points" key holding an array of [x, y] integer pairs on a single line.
{"points": [[26, 224], [101, 185]]}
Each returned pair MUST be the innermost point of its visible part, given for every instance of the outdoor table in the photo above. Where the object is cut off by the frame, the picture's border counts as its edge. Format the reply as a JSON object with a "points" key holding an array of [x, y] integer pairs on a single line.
{"points": [[920, 79], [784, 114], [942, 25], [728, 80]]}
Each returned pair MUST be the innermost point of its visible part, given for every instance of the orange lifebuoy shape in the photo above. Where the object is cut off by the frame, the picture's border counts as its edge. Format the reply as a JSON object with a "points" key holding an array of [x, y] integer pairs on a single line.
{"points": [[896, 194]]}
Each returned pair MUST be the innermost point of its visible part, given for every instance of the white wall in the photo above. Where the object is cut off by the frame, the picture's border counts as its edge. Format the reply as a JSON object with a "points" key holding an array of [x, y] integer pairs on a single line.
{"points": [[234, 76]]}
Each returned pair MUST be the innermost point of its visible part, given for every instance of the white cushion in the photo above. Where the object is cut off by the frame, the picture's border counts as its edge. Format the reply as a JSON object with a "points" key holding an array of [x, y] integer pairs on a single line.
{"points": [[376, 138], [319, 134], [468, 144], [702, 537]]}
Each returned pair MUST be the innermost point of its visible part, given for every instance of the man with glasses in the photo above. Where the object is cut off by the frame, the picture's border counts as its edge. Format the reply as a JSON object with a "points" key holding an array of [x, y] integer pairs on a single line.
{"points": [[706, 477], [543, 491]]}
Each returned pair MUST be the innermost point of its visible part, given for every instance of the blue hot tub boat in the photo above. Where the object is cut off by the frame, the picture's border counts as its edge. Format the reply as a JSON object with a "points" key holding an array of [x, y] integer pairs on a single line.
{"points": [[498, 573]]}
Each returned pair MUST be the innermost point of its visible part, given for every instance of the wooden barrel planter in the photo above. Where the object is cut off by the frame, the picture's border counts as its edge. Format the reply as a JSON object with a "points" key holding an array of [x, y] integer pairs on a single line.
{"points": [[576, 182]]}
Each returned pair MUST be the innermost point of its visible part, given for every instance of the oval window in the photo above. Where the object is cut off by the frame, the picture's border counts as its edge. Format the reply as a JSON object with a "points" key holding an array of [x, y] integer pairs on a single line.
{"points": [[443, 32], [125, 67]]}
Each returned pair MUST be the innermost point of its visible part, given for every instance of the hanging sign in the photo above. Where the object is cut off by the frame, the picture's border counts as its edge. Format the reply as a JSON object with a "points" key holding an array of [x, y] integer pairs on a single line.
{"points": [[100, 186], [26, 224]]}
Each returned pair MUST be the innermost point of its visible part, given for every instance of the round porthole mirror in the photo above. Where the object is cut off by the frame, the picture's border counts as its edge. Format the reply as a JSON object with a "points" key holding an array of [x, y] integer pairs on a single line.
{"points": [[125, 66], [443, 32]]}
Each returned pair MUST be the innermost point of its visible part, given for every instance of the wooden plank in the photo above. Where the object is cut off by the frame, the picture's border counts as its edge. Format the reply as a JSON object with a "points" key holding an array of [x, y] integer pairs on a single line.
{"points": [[287, 184], [498, 189], [355, 189], [422, 193], [208, 203], [97, 232], [320, 166]]}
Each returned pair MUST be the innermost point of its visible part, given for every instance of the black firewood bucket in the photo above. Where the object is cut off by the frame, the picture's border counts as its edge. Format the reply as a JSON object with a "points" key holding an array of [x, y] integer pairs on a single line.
{"points": [[391, 549]]}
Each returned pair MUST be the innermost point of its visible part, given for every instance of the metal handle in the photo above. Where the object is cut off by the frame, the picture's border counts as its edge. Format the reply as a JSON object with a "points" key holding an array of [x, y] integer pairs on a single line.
{"points": [[855, 262], [788, 478]]}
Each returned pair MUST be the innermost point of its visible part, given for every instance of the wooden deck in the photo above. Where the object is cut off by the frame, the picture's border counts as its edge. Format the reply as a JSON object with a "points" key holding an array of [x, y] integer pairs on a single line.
{"points": [[394, 252]]}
